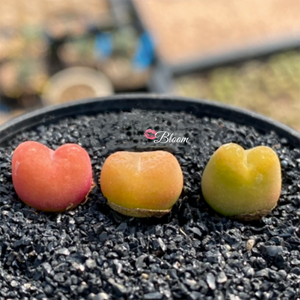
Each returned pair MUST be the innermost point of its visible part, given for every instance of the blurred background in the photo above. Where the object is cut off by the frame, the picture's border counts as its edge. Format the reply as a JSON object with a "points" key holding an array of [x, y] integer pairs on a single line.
{"points": [[244, 53]]}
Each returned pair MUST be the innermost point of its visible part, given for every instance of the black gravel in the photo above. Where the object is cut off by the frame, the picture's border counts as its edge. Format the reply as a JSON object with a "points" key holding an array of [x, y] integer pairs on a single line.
{"points": [[192, 253]]}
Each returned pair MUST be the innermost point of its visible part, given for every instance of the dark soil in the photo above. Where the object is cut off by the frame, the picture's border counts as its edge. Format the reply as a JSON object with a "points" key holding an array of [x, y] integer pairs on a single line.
{"points": [[192, 253]]}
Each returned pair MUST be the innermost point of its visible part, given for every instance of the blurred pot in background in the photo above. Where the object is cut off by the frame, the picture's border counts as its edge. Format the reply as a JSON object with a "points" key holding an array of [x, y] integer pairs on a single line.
{"points": [[75, 83], [22, 80], [125, 57], [78, 51]]}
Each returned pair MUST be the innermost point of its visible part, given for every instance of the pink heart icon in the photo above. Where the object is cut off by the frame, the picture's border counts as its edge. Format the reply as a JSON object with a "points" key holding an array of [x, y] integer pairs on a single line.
{"points": [[150, 134]]}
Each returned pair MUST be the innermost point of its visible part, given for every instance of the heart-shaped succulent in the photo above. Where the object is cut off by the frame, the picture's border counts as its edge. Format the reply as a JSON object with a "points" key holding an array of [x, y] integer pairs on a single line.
{"points": [[141, 184], [51, 180], [244, 184]]}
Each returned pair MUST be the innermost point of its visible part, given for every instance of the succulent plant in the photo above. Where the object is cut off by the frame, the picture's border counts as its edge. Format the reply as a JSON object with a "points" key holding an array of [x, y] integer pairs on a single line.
{"points": [[51, 180], [244, 184], [141, 184]]}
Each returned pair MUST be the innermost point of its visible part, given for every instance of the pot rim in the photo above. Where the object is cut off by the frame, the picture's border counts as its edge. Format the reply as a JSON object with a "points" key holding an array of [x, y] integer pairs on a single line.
{"points": [[126, 102]]}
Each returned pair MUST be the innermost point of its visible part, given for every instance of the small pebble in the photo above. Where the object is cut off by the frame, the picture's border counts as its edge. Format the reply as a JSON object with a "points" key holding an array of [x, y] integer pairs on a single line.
{"points": [[153, 296], [210, 279], [221, 278], [249, 245], [272, 250]]}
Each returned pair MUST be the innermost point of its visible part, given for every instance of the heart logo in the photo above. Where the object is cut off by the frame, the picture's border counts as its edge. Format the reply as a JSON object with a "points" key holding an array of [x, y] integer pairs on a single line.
{"points": [[150, 134], [51, 180]]}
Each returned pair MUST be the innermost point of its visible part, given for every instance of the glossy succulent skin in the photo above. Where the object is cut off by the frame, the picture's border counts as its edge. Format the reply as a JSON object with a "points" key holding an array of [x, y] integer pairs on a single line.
{"points": [[51, 180], [244, 184], [141, 184]]}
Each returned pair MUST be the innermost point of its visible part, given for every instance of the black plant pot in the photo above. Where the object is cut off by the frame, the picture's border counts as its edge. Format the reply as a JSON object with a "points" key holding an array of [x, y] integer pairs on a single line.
{"points": [[125, 102], [93, 252]]}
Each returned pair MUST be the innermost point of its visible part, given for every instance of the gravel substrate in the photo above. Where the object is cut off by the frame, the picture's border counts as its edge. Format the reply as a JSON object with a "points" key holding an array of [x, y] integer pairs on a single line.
{"points": [[192, 253]]}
